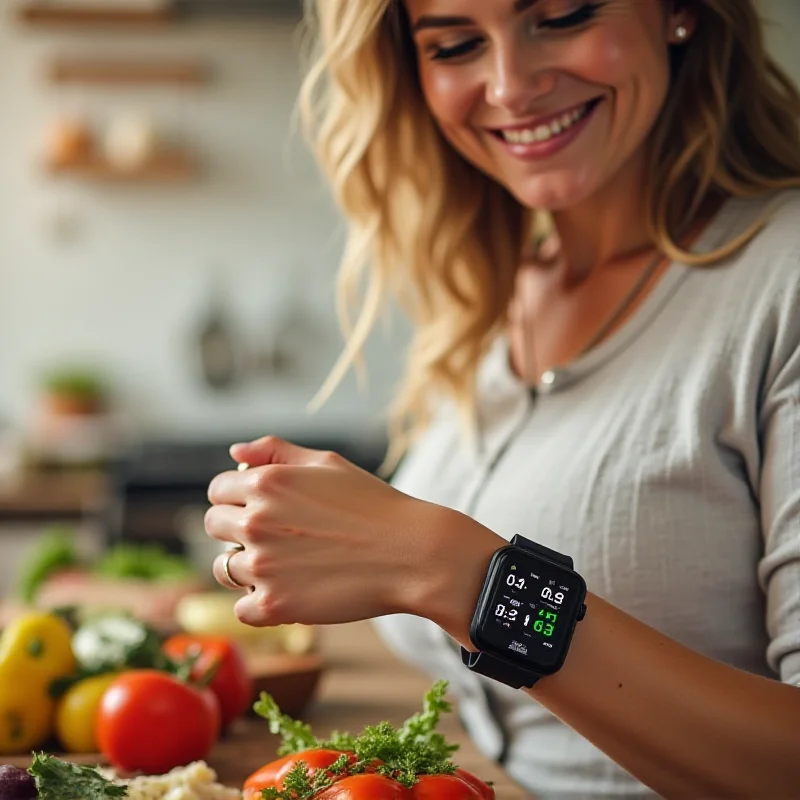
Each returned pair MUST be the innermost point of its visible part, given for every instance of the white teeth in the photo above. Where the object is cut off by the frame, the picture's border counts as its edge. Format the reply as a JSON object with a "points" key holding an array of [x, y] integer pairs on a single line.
{"points": [[543, 133]]}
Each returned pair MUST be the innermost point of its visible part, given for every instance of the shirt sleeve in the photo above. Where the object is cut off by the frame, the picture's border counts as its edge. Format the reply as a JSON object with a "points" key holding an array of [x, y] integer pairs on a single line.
{"points": [[779, 569]]}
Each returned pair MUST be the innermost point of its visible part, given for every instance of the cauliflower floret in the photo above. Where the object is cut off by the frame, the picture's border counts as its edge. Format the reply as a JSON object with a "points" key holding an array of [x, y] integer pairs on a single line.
{"points": [[182, 793], [196, 781]]}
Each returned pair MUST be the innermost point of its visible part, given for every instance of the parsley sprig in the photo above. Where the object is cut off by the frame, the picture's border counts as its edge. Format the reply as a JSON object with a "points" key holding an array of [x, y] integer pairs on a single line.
{"points": [[299, 785], [60, 780], [404, 753]]}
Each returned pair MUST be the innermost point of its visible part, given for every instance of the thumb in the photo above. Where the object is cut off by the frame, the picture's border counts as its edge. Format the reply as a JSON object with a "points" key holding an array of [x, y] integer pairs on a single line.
{"points": [[271, 450]]}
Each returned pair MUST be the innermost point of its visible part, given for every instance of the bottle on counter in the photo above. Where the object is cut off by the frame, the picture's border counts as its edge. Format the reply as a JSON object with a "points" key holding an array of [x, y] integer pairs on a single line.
{"points": [[216, 341]]}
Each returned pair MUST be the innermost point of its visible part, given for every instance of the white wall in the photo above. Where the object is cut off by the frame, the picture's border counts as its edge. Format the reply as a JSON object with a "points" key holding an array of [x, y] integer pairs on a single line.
{"points": [[128, 291], [782, 26]]}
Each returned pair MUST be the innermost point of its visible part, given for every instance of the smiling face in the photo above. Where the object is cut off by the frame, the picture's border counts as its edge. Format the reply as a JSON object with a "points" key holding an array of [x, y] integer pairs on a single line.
{"points": [[554, 99]]}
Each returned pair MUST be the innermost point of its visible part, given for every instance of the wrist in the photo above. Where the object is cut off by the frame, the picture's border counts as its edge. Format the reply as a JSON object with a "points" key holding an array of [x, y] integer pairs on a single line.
{"points": [[452, 570]]}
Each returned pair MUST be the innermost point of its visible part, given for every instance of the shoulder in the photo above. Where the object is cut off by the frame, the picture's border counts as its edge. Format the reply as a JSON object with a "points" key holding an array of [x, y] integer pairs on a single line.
{"points": [[778, 241], [783, 216], [765, 281], [764, 274]]}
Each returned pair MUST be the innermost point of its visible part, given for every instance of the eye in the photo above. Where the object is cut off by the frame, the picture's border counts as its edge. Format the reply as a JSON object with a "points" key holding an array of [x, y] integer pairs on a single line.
{"points": [[580, 16], [456, 51]]}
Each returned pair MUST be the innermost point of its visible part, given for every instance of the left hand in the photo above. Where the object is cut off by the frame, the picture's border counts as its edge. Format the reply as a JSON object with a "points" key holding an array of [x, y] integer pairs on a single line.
{"points": [[327, 542]]}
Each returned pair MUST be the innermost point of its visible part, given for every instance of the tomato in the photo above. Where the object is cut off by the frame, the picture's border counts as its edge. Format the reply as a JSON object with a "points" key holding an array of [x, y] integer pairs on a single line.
{"points": [[462, 785], [271, 775], [76, 713], [232, 683], [370, 786], [484, 790], [445, 787], [151, 721]]}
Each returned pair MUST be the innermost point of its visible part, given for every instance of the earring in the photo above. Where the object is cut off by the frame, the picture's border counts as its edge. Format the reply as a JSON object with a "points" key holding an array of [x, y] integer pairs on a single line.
{"points": [[681, 33]]}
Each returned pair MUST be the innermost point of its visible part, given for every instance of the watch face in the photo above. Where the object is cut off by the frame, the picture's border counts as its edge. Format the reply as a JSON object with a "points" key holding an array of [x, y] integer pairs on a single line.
{"points": [[529, 611]]}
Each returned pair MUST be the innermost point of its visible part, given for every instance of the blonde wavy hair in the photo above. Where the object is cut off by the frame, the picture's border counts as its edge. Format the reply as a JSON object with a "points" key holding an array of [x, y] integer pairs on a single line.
{"points": [[431, 231]]}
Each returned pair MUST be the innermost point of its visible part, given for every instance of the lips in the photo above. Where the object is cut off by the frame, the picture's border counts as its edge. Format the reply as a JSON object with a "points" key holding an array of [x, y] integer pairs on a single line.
{"points": [[546, 128]]}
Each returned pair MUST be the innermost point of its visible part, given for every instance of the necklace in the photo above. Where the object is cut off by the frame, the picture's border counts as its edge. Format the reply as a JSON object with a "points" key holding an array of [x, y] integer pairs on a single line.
{"points": [[532, 377]]}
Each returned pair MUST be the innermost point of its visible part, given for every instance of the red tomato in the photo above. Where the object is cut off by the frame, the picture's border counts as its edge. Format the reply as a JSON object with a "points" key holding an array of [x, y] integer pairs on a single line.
{"points": [[151, 721], [445, 787], [271, 775], [462, 785], [232, 683], [370, 786], [484, 790]]}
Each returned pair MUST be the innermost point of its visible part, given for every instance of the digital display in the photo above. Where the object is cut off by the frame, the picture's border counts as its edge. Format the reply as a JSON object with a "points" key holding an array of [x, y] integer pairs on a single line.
{"points": [[531, 611]]}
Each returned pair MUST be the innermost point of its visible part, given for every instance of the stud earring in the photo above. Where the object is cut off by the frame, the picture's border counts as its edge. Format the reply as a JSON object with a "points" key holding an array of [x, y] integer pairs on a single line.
{"points": [[681, 33]]}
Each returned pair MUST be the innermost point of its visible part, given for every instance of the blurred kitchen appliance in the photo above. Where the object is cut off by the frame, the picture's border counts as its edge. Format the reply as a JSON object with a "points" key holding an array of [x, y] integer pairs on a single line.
{"points": [[155, 485]]}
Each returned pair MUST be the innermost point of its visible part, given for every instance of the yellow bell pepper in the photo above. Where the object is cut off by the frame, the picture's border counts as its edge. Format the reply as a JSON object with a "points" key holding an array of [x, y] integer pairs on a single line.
{"points": [[35, 649], [76, 712], [26, 711], [42, 644]]}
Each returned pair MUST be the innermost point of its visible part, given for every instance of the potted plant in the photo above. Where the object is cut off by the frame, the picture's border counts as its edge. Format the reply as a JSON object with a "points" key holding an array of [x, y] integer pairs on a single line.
{"points": [[75, 392]]}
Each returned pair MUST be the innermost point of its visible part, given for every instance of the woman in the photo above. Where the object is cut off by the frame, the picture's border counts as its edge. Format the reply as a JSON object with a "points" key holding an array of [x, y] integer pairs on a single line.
{"points": [[619, 383]]}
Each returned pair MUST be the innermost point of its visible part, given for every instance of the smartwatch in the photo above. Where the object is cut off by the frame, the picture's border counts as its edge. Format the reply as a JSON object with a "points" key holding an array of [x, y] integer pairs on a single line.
{"points": [[531, 600]]}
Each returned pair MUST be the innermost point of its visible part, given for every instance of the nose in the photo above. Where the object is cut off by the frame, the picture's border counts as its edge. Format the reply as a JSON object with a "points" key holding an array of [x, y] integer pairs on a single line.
{"points": [[517, 84]]}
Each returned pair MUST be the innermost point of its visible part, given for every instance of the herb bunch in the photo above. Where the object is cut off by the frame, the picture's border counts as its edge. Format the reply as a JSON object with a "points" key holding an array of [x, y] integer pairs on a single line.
{"points": [[60, 780], [413, 749]]}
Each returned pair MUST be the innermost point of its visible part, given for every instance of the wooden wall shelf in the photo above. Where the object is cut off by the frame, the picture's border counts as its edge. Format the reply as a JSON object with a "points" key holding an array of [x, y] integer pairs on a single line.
{"points": [[107, 71], [84, 15], [168, 167]]}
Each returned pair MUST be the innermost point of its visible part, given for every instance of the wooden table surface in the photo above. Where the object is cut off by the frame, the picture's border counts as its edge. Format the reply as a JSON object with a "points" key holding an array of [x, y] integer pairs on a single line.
{"points": [[363, 684]]}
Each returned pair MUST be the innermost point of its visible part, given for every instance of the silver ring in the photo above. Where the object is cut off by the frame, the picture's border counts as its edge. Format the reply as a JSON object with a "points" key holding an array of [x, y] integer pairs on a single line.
{"points": [[226, 567]]}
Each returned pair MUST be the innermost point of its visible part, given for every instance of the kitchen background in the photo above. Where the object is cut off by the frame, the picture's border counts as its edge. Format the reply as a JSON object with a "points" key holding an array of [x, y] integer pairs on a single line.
{"points": [[185, 261]]}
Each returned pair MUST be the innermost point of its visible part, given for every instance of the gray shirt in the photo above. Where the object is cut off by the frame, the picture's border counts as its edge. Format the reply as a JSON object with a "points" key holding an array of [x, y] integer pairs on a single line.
{"points": [[666, 462]]}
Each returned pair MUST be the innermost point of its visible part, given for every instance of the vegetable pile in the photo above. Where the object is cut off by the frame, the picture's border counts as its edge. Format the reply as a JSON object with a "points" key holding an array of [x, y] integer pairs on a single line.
{"points": [[50, 778], [60, 780], [114, 685], [57, 550], [412, 762]]}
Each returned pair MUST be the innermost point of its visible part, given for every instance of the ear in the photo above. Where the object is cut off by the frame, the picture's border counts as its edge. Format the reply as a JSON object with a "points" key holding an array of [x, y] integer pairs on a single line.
{"points": [[681, 23]]}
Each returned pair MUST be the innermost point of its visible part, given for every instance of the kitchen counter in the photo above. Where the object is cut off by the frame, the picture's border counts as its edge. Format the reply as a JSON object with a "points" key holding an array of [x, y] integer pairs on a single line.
{"points": [[65, 494], [364, 684]]}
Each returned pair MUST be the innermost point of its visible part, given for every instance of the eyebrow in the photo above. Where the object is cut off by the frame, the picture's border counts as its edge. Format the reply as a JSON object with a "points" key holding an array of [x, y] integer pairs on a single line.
{"points": [[460, 22], [441, 22]]}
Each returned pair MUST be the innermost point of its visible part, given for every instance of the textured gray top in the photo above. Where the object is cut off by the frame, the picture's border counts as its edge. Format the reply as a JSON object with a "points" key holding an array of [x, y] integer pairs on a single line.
{"points": [[666, 462]]}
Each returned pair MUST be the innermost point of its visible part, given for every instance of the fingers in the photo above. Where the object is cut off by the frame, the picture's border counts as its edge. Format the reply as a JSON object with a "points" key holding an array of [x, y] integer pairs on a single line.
{"points": [[227, 524], [273, 450], [231, 571], [255, 609], [232, 487]]}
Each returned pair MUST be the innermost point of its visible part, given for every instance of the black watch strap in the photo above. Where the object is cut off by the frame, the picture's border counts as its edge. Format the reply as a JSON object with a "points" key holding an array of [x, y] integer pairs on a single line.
{"points": [[498, 669], [542, 551]]}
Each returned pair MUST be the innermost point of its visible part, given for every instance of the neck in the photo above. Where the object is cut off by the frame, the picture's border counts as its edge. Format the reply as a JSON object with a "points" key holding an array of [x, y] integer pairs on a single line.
{"points": [[607, 228]]}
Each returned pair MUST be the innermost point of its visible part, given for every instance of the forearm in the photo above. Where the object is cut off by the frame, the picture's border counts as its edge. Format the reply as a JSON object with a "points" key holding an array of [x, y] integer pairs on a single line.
{"points": [[685, 725]]}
